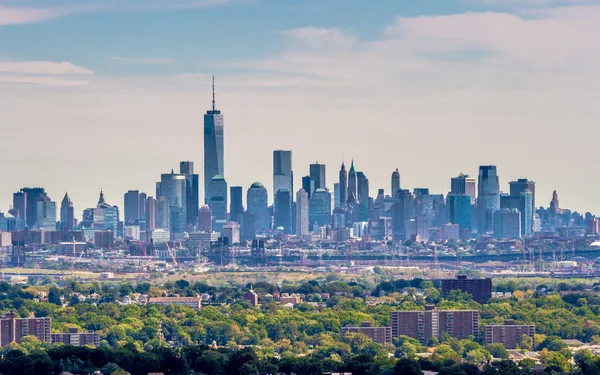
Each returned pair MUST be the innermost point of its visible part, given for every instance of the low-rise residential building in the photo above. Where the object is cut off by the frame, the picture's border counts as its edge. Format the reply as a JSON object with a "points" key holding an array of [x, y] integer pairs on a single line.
{"points": [[293, 298]]}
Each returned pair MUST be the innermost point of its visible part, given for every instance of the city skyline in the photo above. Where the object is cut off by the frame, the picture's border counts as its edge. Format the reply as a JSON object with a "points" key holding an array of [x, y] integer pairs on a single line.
{"points": [[420, 92]]}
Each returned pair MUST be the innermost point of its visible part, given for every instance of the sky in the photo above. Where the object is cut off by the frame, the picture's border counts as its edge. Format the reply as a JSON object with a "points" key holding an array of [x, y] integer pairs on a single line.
{"points": [[110, 94]]}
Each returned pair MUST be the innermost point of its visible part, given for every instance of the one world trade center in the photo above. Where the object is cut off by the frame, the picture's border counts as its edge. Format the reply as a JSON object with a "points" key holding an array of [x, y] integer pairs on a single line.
{"points": [[213, 145]]}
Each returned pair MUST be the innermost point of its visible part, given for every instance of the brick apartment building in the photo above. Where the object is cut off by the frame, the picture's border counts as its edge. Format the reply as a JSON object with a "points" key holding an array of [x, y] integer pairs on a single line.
{"points": [[508, 334], [380, 335], [13, 329], [193, 302], [480, 289], [76, 338], [424, 325]]}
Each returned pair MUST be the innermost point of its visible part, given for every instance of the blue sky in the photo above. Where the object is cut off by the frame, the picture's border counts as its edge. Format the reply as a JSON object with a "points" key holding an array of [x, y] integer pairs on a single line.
{"points": [[109, 94]]}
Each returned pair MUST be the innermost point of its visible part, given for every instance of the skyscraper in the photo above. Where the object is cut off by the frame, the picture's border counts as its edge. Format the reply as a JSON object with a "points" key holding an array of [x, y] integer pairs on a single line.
{"points": [[463, 184], [363, 189], [488, 197], [519, 186], [46, 214], [173, 187], [205, 219], [105, 216], [258, 205], [527, 210], [395, 183], [150, 210], [236, 206], [283, 211], [213, 144], [319, 208], [218, 202], [283, 176], [459, 210], [403, 209], [343, 186], [554, 204], [32, 195], [507, 223], [67, 214], [352, 185], [163, 213], [191, 191], [132, 206], [317, 175], [336, 195], [20, 204], [308, 185], [302, 226]]}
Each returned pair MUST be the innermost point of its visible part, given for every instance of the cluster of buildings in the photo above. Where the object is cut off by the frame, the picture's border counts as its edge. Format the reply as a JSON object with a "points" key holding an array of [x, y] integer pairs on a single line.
{"points": [[340, 211], [13, 329]]}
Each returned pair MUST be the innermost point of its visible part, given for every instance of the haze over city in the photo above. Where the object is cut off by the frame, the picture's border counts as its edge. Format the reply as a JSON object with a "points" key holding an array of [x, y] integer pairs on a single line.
{"points": [[110, 95]]}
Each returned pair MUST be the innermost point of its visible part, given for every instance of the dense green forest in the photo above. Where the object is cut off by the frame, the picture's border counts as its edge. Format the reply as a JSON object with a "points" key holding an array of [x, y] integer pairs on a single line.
{"points": [[304, 340]]}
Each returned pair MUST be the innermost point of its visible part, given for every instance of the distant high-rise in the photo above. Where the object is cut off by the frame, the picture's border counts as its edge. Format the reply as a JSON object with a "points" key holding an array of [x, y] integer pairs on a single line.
{"points": [[163, 213], [20, 204], [336, 195], [218, 202], [343, 186], [308, 185], [319, 208], [463, 184], [173, 187], [352, 184], [283, 211], [67, 214], [317, 175], [488, 197], [283, 176], [192, 187], [302, 225], [519, 186], [32, 195], [236, 207], [395, 183], [258, 205], [507, 223], [105, 216], [363, 188], [527, 210], [403, 209], [459, 210], [554, 204], [150, 211], [213, 144], [46, 214], [205, 219], [132, 206]]}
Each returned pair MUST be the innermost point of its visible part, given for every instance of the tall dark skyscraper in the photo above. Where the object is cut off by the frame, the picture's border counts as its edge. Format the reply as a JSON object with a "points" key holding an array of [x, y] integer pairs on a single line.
{"points": [[395, 183], [213, 145], [317, 174], [352, 184], [67, 214], [519, 186], [343, 186], [308, 185], [283, 210], [20, 204], [488, 197], [132, 206], [33, 196], [236, 206], [363, 188], [283, 176], [463, 184], [192, 187]]}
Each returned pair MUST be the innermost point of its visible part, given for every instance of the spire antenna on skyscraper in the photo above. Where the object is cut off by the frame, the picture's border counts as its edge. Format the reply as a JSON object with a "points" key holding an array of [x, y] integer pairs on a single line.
{"points": [[213, 92]]}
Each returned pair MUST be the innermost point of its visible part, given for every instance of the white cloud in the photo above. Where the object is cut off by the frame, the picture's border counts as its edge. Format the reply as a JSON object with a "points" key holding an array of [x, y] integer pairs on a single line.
{"points": [[42, 67], [320, 39], [14, 16]]}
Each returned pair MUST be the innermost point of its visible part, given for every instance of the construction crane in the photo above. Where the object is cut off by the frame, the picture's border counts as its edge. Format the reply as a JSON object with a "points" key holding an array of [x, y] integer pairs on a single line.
{"points": [[172, 254]]}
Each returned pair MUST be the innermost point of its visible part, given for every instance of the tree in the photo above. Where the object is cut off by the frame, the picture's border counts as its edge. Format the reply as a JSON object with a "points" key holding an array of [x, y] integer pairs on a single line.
{"points": [[526, 342], [54, 296], [407, 366], [498, 351], [478, 356]]}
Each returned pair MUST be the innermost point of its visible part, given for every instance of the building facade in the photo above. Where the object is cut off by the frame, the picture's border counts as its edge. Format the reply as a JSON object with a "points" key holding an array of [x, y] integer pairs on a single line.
{"points": [[76, 338], [480, 289], [214, 149], [258, 205], [13, 329], [488, 197], [302, 220], [508, 334], [380, 335]]}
